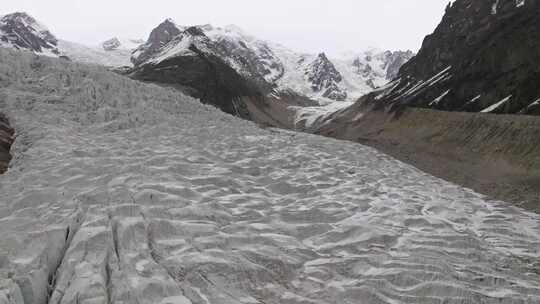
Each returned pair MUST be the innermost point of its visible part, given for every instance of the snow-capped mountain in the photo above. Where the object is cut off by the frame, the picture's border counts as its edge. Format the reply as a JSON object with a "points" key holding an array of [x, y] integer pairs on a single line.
{"points": [[6, 140], [274, 66], [159, 37], [275, 69], [190, 61], [325, 78], [115, 52], [23, 32]]}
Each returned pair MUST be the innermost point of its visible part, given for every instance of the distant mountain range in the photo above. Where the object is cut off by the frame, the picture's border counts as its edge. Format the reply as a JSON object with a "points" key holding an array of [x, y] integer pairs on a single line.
{"points": [[22, 31], [314, 75], [274, 68], [481, 58]]}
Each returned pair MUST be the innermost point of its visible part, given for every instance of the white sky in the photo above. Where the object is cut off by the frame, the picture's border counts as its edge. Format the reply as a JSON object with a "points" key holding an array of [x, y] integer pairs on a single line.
{"points": [[305, 25]]}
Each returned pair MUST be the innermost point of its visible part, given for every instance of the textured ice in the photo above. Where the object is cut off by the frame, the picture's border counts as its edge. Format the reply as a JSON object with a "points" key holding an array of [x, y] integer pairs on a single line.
{"points": [[122, 192]]}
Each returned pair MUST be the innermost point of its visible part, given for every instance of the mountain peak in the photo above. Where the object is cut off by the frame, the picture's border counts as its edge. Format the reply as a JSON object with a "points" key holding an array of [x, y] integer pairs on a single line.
{"points": [[164, 33], [322, 56], [21, 31], [324, 77], [169, 20], [24, 19]]}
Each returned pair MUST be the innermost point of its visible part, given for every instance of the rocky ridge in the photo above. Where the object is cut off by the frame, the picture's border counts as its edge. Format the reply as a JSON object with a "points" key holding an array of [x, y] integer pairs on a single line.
{"points": [[276, 68], [21, 31], [481, 58]]}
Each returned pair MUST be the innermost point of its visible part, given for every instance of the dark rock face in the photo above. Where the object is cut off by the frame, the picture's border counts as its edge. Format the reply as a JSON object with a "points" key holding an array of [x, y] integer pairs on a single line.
{"points": [[202, 68], [324, 76], [6, 140], [21, 31], [159, 37], [483, 57], [195, 31], [203, 76]]}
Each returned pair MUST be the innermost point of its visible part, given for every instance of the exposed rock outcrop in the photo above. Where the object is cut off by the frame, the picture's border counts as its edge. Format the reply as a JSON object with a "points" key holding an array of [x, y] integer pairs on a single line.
{"points": [[325, 78], [159, 37], [481, 58], [273, 68], [21, 31], [6, 140], [201, 74]]}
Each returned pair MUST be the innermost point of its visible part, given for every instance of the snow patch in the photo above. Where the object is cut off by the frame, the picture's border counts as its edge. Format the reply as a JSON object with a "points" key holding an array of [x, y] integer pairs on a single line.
{"points": [[495, 106], [439, 99]]}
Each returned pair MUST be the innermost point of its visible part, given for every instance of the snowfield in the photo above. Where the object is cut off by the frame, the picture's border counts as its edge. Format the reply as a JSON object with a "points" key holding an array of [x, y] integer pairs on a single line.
{"points": [[95, 55], [123, 192]]}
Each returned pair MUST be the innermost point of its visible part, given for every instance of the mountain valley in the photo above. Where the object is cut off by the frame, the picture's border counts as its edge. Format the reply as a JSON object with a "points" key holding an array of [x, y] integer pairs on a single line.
{"points": [[204, 165]]}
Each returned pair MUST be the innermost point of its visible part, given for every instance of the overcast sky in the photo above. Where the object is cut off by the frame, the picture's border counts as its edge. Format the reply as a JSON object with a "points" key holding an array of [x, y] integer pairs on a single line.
{"points": [[305, 25]]}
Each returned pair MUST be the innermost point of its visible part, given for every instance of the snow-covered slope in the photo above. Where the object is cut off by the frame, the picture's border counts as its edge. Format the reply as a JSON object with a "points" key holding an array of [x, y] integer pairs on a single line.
{"points": [[313, 75], [115, 52], [121, 44], [493, 70], [95, 55], [124, 192]]}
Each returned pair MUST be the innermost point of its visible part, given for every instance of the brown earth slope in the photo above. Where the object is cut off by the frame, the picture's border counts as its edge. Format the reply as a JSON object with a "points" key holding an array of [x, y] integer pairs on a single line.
{"points": [[498, 155]]}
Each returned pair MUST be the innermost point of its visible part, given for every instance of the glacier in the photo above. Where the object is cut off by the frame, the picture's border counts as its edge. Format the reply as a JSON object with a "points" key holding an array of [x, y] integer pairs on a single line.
{"points": [[126, 192]]}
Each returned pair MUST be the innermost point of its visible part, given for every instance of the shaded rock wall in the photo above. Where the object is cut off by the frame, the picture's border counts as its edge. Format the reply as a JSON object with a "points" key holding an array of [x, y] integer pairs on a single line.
{"points": [[480, 54], [6, 140], [205, 77]]}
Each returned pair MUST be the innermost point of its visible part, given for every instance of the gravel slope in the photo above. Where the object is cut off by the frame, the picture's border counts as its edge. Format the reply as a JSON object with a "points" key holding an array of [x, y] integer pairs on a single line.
{"points": [[497, 155], [122, 192]]}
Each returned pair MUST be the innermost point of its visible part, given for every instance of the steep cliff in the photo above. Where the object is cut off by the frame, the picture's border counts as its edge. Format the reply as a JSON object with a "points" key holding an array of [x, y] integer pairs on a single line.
{"points": [[481, 58]]}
